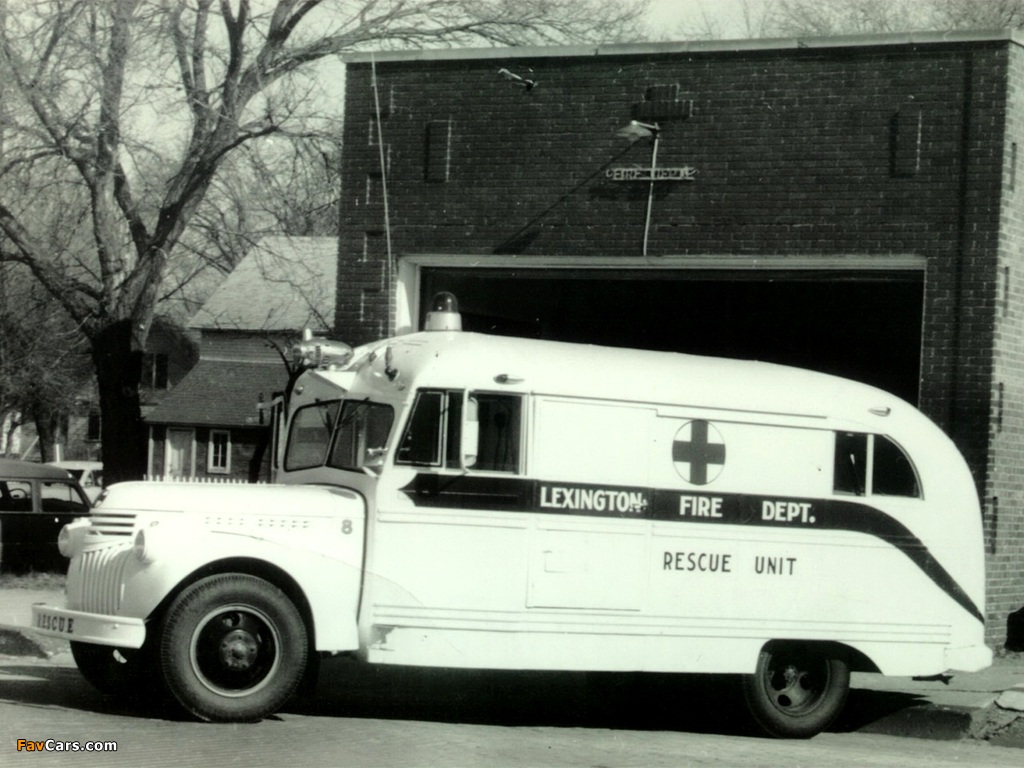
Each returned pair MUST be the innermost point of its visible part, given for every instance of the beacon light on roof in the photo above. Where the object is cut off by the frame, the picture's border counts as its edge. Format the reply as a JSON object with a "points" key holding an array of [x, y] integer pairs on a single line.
{"points": [[316, 352], [444, 313]]}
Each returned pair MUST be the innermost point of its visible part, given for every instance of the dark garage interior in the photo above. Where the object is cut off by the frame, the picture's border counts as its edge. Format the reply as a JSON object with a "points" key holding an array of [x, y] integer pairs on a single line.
{"points": [[863, 325]]}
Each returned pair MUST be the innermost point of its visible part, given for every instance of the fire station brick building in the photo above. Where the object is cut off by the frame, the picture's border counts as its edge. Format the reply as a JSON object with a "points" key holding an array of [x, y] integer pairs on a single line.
{"points": [[851, 205]]}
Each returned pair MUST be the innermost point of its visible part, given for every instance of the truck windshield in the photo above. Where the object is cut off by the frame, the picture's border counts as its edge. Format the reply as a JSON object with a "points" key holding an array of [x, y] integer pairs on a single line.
{"points": [[361, 435], [310, 434]]}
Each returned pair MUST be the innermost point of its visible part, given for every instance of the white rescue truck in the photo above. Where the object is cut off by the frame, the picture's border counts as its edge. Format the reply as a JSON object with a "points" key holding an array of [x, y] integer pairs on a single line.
{"points": [[462, 500]]}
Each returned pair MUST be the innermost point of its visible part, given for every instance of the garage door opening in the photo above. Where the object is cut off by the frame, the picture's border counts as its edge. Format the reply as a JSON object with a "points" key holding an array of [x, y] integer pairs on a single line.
{"points": [[864, 326]]}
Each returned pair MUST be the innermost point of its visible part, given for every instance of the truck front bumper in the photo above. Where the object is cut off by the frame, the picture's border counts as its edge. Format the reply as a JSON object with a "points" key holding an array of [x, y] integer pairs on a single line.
{"points": [[117, 631]]}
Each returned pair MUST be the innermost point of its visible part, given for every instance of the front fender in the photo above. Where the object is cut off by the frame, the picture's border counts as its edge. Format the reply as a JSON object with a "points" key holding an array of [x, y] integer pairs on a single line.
{"points": [[315, 535], [329, 584]]}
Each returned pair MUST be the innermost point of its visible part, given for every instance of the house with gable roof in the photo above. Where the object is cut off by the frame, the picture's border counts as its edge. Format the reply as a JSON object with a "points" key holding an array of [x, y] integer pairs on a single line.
{"points": [[210, 425]]}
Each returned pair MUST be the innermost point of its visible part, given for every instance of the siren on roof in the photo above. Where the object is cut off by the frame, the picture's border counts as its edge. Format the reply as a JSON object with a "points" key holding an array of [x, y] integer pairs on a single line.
{"points": [[315, 352], [444, 313]]}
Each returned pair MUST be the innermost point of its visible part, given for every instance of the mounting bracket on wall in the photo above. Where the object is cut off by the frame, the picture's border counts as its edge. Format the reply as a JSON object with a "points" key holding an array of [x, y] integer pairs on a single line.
{"points": [[636, 131]]}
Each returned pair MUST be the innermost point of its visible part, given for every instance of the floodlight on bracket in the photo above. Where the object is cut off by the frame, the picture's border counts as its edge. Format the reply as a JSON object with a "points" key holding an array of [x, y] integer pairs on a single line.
{"points": [[637, 130], [634, 132]]}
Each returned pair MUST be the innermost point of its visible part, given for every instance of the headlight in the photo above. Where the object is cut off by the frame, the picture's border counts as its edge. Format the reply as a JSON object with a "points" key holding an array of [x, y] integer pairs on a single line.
{"points": [[142, 548], [71, 537]]}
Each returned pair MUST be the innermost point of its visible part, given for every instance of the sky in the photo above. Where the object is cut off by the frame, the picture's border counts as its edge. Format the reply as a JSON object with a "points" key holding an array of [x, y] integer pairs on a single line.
{"points": [[727, 15]]}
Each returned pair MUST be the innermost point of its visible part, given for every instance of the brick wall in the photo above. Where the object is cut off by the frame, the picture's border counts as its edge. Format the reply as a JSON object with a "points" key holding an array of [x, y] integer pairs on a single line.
{"points": [[1004, 494], [878, 150]]}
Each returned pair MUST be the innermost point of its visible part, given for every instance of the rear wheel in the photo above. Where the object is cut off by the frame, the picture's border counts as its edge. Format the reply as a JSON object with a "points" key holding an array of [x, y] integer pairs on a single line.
{"points": [[233, 648], [797, 690]]}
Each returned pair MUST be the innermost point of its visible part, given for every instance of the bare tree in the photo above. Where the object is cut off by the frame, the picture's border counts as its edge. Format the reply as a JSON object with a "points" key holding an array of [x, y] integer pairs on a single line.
{"points": [[978, 14], [44, 364], [95, 93], [822, 18], [288, 187]]}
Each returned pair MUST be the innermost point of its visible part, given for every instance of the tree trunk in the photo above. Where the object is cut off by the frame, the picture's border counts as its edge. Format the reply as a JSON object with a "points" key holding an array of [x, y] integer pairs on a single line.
{"points": [[51, 431], [122, 432]]}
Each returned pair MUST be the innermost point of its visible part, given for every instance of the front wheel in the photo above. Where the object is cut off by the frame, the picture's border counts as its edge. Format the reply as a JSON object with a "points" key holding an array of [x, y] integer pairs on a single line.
{"points": [[798, 689], [233, 648]]}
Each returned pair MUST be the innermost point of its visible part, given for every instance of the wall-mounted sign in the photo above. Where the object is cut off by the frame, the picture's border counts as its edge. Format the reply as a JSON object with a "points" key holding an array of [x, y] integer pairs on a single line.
{"points": [[639, 173]]}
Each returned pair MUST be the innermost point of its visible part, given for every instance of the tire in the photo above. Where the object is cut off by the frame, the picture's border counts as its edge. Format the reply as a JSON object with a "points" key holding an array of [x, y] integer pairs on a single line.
{"points": [[798, 689], [115, 671], [233, 648]]}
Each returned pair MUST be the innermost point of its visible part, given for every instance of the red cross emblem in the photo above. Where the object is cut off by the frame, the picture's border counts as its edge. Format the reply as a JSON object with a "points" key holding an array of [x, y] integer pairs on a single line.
{"points": [[698, 452]]}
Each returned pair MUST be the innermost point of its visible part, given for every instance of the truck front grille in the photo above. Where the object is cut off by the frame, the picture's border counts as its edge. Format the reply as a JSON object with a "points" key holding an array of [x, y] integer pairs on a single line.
{"points": [[104, 523], [94, 580]]}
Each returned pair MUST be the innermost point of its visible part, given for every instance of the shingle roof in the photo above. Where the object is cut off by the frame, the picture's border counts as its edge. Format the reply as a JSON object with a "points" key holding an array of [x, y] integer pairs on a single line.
{"points": [[221, 393], [283, 284]]}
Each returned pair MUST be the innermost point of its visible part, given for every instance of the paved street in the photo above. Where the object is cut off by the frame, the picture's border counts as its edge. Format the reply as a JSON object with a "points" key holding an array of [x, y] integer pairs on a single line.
{"points": [[380, 718]]}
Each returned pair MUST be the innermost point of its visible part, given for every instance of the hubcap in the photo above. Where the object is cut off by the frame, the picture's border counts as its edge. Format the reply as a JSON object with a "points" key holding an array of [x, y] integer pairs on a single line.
{"points": [[792, 687], [234, 650], [238, 650]]}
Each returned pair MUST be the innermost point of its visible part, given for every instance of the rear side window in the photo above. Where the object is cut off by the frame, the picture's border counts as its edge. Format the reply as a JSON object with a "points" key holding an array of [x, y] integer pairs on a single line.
{"points": [[61, 497], [851, 463], [866, 464], [893, 473], [15, 496]]}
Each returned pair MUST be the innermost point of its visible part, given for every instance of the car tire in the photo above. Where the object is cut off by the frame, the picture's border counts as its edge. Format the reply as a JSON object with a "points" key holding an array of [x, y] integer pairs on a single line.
{"points": [[798, 689], [233, 648]]}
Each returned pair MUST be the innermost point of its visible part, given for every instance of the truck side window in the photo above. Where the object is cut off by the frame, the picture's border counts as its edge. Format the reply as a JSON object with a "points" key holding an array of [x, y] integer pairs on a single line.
{"points": [[851, 463], [421, 443], [873, 464], [433, 430], [310, 435], [892, 472], [453, 433], [499, 426]]}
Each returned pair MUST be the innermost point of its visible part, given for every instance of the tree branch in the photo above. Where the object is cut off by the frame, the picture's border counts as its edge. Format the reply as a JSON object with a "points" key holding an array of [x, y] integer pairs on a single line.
{"points": [[68, 291]]}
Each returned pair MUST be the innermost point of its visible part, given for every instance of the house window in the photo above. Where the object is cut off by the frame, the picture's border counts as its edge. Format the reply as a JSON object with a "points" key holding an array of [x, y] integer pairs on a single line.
{"points": [[154, 370], [179, 460], [218, 458]]}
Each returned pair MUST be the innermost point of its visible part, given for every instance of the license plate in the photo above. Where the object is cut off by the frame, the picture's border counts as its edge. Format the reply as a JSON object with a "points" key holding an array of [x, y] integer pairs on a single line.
{"points": [[53, 623]]}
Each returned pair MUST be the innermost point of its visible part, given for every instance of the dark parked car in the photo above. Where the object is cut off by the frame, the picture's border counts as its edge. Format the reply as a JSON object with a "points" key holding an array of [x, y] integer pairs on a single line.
{"points": [[36, 500]]}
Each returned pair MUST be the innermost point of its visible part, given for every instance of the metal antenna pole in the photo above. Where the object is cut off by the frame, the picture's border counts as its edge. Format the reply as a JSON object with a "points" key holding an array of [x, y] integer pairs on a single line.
{"points": [[650, 192]]}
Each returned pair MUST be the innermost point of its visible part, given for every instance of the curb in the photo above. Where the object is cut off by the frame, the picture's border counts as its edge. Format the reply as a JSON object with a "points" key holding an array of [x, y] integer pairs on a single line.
{"points": [[933, 722], [18, 641]]}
